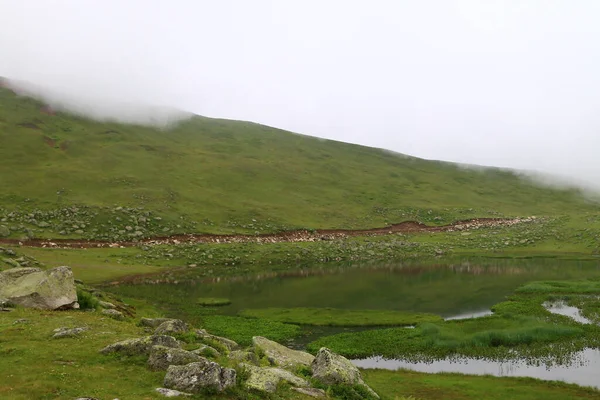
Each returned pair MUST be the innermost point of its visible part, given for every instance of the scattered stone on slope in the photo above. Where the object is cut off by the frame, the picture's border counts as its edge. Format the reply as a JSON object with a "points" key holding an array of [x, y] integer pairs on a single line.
{"points": [[162, 357], [141, 345], [229, 344], [106, 304], [114, 314], [60, 333], [33, 288], [312, 392], [153, 322], [333, 369], [267, 379], [171, 327], [171, 393], [208, 351], [4, 231], [198, 376], [280, 355]]}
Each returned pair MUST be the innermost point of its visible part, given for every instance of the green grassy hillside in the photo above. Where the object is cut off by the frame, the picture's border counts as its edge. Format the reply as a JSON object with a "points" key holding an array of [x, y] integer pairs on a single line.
{"points": [[213, 175]]}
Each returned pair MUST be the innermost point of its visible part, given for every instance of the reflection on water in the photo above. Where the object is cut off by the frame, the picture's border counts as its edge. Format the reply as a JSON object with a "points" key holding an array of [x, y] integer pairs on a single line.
{"points": [[469, 315], [583, 369], [561, 308]]}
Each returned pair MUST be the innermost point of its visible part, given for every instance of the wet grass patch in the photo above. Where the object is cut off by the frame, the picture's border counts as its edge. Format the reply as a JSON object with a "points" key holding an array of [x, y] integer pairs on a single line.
{"points": [[213, 302], [340, 317]]}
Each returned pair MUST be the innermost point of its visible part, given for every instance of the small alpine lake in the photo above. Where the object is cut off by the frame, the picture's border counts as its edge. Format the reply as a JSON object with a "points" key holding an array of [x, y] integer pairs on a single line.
{"points": [[362, 312]]}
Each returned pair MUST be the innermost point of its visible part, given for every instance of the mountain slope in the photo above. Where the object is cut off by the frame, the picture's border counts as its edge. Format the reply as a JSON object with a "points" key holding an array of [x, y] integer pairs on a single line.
{"points": [[229, 173]]}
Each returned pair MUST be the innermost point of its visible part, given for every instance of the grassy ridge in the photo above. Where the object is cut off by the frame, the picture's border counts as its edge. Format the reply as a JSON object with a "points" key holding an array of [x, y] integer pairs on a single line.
{"points": [[340, 317], [223, 176]]}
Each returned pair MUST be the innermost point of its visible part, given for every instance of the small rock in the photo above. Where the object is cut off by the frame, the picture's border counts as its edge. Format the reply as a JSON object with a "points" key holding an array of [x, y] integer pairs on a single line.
{"points": [[172, 326], [244, 356], [162, 357], [198, 376], [21, 321], [229, 344], [208, 351], [153, 322], [106, 304], [114, 314], [60, 333], [171, 393], [140, 346]]}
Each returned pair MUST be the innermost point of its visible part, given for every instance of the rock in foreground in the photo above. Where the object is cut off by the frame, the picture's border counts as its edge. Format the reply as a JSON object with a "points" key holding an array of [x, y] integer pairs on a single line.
{"points": [[267, 379], [281, 355], [33, 288], [333, 369], [198, 376]]}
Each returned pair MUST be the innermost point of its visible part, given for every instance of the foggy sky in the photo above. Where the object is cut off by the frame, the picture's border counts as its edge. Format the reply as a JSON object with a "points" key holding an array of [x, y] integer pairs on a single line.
{"points": [[503, 83]]}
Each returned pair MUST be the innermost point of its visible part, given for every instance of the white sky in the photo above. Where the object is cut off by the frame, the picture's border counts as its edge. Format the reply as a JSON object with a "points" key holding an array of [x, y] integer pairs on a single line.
{"points": [[505, 83]]}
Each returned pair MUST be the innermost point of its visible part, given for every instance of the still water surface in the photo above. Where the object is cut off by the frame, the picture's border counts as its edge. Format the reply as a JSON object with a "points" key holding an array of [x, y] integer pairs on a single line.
{"points": [[464, 289]]}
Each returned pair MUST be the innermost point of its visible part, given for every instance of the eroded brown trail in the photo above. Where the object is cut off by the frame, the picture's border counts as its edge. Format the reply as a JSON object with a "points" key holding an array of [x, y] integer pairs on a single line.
{"points": [[290, 236]]}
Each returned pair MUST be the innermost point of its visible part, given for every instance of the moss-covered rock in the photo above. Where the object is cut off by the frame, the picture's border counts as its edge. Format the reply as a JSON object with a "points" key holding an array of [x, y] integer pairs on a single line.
{"points": [[267, 379], [161, 357], [33, 288], [332, 369], [171, 327], [141, 346], [280, 355], [199, 376]]}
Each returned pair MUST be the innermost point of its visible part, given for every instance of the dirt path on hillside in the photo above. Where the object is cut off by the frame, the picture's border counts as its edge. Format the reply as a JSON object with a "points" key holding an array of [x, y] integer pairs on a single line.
{"points": [[290, 236]]}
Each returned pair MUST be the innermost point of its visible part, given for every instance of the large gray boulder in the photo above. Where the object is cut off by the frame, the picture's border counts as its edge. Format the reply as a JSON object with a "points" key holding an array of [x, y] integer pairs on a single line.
{"points": [[267, 379], [332, 369], [198, 376], [280, 355], [161, 357], [34, 288], [140, 346]]}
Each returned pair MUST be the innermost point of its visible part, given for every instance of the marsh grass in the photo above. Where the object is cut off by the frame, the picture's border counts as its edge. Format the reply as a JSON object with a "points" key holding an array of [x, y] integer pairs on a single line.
{"points": [[340, 317]]}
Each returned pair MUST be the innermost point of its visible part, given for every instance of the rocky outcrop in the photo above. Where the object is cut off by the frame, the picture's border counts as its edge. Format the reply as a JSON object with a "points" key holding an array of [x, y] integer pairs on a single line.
{"points": [[171, 326], [161, 357], [199, 376], [280, 355], [33, 288], [140, 346], [267, 379], [244, 356], [332, 369]]}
